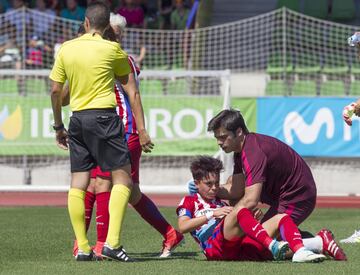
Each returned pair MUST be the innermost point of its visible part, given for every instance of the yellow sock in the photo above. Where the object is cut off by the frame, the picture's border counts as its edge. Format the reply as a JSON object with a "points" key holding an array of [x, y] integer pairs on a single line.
{"points": [[76, 207], [119, 198]]}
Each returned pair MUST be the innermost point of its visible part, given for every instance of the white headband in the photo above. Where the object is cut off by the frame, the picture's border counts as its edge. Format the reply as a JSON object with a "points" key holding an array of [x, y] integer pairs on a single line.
{"points": [[118, 20]]}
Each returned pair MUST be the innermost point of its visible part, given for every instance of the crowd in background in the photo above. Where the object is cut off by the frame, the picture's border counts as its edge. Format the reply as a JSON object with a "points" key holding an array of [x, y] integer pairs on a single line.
{"points": [[46, 32], [153, 14]]}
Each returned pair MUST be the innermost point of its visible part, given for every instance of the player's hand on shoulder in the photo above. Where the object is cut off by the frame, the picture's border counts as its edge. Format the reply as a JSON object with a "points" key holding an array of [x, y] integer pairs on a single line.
{"points": [[62, 139], [145, 141], [222, 212]]}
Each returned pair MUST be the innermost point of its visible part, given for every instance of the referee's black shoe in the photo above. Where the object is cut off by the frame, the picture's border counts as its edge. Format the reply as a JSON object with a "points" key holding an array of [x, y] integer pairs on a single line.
{"points": [[117, 254], [82, 256]]}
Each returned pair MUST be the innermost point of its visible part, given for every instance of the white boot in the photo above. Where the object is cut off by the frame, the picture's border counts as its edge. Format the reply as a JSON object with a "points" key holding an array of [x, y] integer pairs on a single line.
{"points": [[304, 255]]}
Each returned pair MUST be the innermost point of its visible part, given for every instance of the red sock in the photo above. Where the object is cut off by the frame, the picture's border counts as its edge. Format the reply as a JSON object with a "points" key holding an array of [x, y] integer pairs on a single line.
{"points": [[89, 206], [150, 213], [290, 233], [102, 215], [252, 228]]}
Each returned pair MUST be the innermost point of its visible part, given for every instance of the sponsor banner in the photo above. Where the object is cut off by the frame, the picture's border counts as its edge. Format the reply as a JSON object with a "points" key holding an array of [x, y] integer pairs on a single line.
{"points": [[312, 126], [26, 126], [177, 125]]}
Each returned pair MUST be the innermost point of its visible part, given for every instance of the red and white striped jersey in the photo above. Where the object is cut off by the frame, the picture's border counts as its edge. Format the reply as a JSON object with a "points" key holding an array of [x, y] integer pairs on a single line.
{"points": [[124, 108], [195, 206]]}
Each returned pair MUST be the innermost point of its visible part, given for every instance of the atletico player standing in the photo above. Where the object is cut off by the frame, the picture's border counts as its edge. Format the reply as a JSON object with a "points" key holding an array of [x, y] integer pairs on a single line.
{"points": [[99, 189]]}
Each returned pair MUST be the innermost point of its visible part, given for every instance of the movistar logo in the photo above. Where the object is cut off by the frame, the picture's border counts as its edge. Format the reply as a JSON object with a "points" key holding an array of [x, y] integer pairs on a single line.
{"points": [[308, 133], [10, 124]]}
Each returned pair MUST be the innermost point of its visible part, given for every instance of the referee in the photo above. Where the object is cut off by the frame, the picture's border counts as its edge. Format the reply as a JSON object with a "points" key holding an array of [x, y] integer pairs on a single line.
{"points": [[96, 135]]}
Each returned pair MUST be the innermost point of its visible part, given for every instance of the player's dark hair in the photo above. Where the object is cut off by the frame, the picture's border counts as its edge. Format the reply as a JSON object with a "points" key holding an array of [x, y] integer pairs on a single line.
{"points": [[98, 15], [81, 29], [231, 120], [109, 34], [202, 166]]}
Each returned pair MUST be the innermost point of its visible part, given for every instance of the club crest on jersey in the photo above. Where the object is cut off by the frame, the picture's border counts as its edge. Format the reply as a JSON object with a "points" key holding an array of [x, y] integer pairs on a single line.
{"points": [[182, 212]]}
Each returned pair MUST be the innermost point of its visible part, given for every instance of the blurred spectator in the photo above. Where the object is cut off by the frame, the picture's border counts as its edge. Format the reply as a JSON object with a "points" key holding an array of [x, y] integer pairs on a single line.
{"points": [[63, 33], [55, 6], [10, 57], [15, 17], [42, 23], [9, 53], [107, 2], [4, 5], [73, 11], [151, 20], [165, 8], [133, 13], [35, 52], [179, 16]]}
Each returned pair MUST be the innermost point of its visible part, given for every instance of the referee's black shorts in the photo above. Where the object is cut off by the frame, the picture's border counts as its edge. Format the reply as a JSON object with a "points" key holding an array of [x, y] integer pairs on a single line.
{"points": [[96, 137]]}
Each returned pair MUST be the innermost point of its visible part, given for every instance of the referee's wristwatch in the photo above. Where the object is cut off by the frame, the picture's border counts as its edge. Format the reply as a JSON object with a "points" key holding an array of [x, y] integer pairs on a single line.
{"points": [[58, 127]]}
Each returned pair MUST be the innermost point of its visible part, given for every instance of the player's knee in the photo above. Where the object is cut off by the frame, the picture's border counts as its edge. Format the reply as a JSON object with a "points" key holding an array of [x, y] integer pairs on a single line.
{"points": [[123, 176], [278, 217], [281, 215], [102, 185]]}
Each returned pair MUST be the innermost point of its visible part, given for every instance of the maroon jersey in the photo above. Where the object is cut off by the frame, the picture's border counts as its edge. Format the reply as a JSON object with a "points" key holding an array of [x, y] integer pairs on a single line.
{"points": [[284, 174]]}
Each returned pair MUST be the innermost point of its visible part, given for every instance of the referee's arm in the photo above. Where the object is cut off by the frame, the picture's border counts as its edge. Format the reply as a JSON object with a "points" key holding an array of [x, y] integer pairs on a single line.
{"points": [[56, 102], [58, 78]]}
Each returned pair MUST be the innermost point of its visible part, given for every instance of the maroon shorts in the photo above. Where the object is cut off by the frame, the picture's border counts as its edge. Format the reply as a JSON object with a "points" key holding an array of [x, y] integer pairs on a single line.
{"points": [[135, 154], [298, 211], [238, 249]]}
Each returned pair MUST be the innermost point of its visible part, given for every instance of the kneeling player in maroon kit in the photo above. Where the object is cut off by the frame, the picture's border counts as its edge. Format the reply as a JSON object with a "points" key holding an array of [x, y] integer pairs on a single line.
{"points": [[265, 170], [216, 227]]}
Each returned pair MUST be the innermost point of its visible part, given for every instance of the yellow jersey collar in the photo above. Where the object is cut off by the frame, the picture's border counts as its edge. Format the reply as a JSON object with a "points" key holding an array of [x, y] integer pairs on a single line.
{"points": [[94, 35]]}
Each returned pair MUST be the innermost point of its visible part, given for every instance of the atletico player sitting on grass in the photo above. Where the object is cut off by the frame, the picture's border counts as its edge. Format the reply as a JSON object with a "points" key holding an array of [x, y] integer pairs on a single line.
{"points": [[227, 233], [100, 185]]}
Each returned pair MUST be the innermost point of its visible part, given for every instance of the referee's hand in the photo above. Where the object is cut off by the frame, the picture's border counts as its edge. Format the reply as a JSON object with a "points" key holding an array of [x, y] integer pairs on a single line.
{"points": [[145, 141], [62, 139]]}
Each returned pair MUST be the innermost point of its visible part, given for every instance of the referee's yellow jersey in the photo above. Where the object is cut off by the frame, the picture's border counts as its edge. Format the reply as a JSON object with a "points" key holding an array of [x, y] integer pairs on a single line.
{"points": [[90, 63]]}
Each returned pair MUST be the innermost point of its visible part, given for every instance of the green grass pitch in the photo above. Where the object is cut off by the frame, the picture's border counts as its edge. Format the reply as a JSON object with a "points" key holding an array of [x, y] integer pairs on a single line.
{"points": [[39, 240]]}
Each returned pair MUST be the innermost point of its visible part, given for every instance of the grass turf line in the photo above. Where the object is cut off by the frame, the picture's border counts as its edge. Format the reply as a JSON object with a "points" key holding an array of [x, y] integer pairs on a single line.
{"points": [[39, 240]]}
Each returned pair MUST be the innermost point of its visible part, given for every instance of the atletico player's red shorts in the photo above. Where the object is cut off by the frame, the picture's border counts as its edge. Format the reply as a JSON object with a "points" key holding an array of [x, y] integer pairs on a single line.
{"points": [[238, 249], [135, 154]]}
